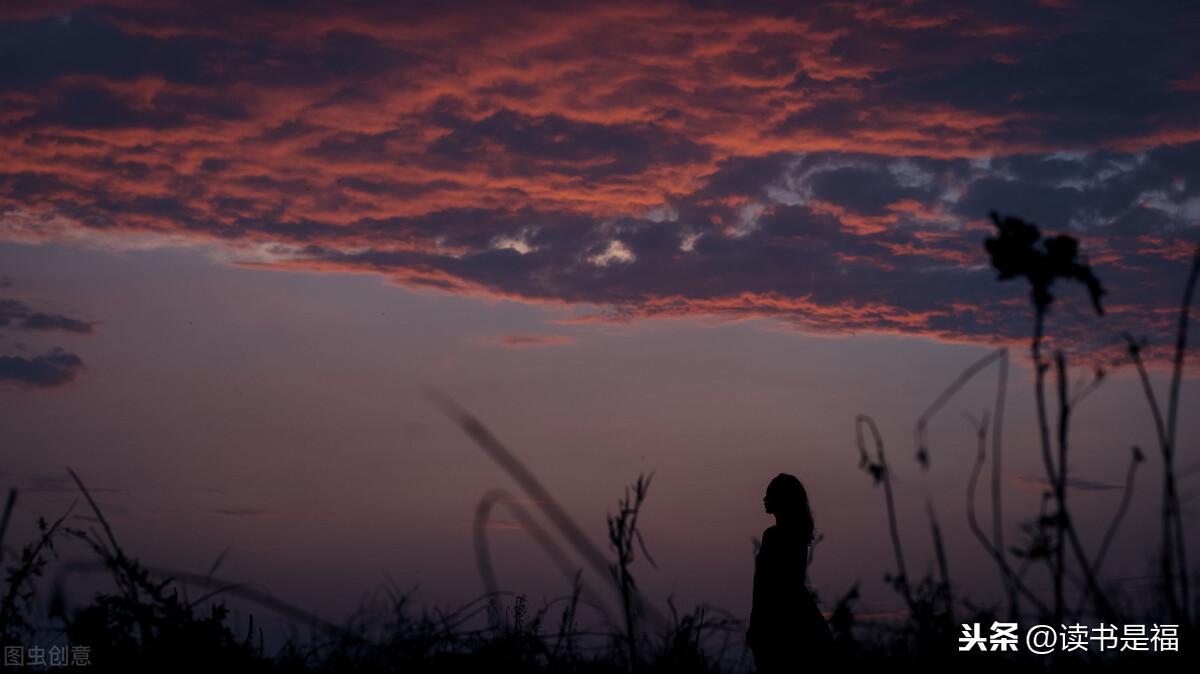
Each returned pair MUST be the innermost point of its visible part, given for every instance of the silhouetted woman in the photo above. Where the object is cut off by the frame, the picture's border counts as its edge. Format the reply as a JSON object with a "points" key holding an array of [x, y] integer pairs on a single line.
{"points": [[787, 632]]}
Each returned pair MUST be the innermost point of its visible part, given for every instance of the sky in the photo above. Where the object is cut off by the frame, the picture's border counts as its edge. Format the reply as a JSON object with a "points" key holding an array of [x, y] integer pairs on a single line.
{"points": [[240, 241]]}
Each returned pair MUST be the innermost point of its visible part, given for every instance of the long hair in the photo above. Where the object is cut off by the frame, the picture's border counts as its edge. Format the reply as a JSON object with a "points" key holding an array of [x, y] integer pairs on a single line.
{"points": [[789, 499]]}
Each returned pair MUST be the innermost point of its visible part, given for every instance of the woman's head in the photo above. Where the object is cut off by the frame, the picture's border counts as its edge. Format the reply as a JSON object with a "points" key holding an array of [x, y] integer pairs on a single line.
{"points": [[787, 500]]}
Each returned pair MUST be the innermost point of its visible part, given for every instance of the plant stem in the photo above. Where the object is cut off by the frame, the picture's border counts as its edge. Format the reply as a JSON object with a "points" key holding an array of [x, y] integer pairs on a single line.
{"points": [[1044, 433], [1172, 416]]}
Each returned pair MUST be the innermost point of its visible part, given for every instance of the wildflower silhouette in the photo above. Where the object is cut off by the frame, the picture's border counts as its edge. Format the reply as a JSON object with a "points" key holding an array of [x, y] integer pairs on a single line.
{"points": [[1020, 250], [1015, 252]]}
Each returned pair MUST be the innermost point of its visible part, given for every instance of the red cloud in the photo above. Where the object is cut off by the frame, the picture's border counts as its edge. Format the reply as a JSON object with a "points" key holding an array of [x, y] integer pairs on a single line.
{"points": [[503, 151]]}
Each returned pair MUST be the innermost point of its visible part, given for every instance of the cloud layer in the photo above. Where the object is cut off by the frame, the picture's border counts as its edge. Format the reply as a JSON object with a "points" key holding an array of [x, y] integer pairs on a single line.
{"points": [[831, 166], [54, 368], [16, 313]]}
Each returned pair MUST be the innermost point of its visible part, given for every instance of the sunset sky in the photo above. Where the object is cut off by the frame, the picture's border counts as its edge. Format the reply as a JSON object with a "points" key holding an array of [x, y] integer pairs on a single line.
{"points": [[239, 241]]}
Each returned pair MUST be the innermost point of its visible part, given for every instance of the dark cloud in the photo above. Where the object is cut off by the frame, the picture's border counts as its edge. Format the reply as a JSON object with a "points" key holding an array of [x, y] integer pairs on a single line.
{"points": [[1075, 74], [35, 52], [744, 175], [91, 41], [48, 370], [907, 268], [14, 313], [99, 108], [863, 190], [43, 321], [1044, 203], [529, 145], [828, 164]]}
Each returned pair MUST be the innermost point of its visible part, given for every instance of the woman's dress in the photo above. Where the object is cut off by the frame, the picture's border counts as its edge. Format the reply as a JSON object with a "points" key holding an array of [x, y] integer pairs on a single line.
{"points": [[787, 631]]}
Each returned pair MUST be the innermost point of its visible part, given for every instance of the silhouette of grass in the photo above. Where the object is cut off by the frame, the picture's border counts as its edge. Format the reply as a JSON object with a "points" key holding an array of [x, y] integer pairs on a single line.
{"points": [[1019, 250], [147, 622]]}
